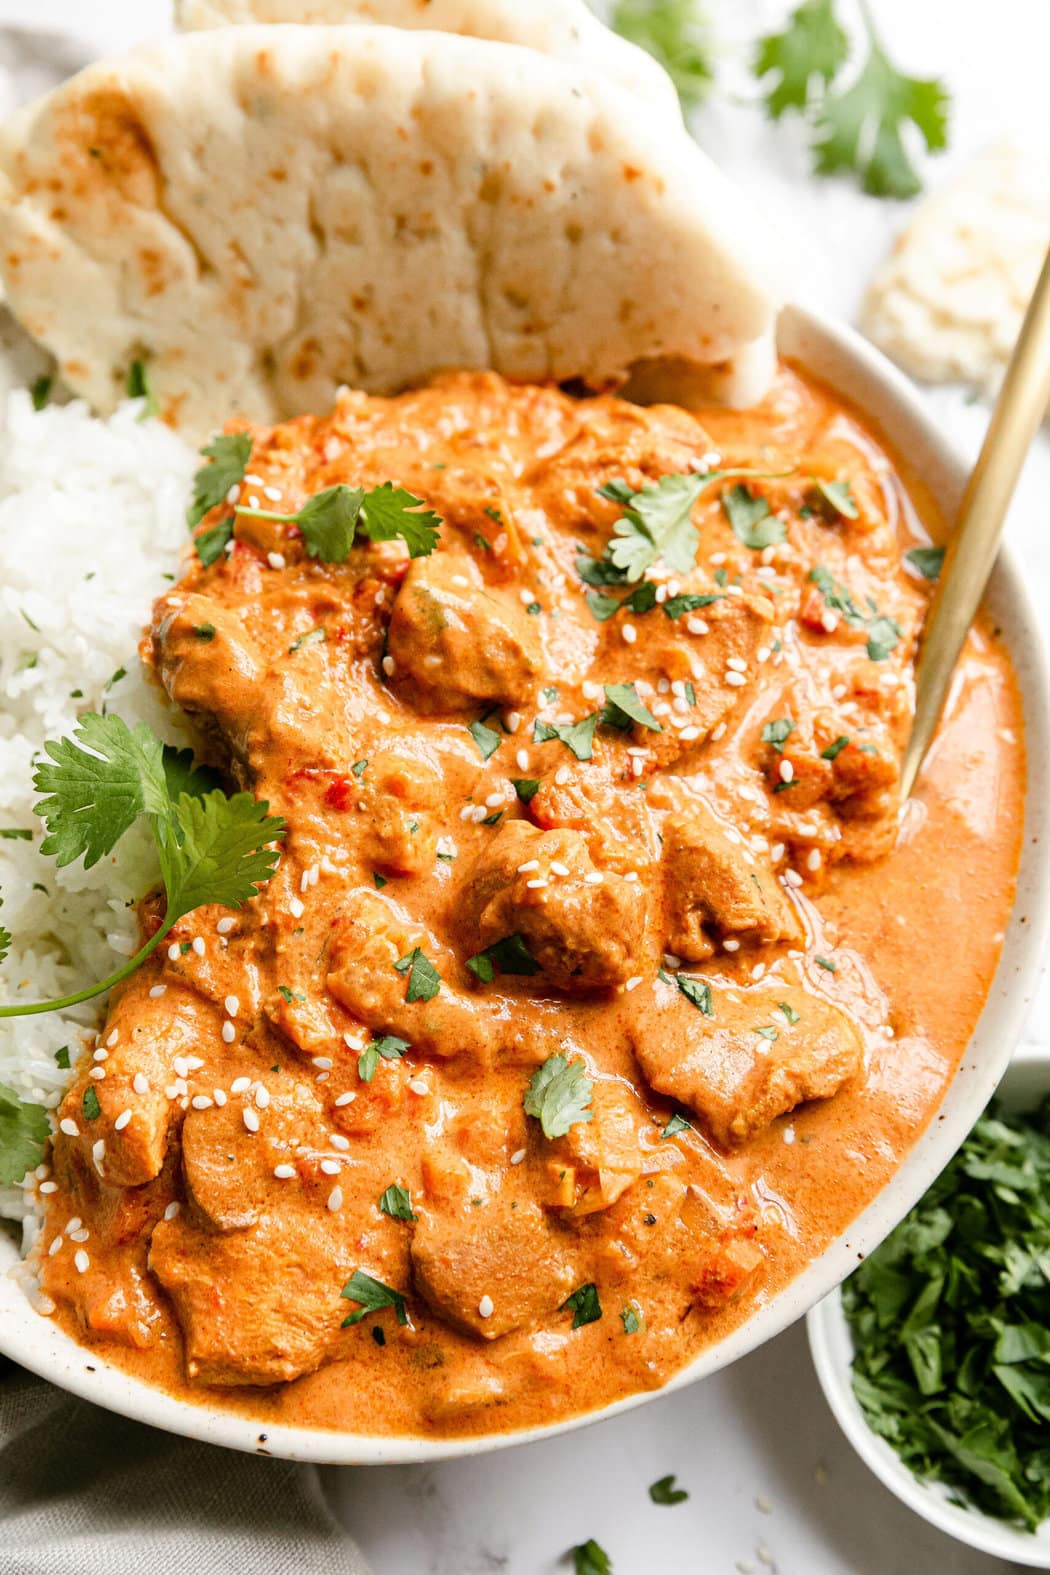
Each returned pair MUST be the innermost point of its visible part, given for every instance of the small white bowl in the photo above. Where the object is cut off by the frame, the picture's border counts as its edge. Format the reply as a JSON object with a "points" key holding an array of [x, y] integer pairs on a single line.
{"points": [[831, 1347]]}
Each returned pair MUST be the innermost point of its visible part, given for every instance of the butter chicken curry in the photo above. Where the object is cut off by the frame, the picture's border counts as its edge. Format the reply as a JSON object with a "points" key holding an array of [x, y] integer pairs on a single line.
{"points": [[601, 981]]}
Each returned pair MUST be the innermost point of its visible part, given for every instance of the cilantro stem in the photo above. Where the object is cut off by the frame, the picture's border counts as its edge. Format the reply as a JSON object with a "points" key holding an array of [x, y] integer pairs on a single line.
{"points": [[265, 514], [65, 1001]]}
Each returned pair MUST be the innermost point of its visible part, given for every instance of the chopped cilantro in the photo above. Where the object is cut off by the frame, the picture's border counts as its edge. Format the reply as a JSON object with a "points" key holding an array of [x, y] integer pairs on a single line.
{"points": [[664, 1491], [687, 602], [486, 738], [825, 963], [229, 454], [510, 955], [397, 1202], [677, 34], [630, 1320], [389, 1046], [753, 524], [676, 1124], [696, 992], [62, 1058], [372, 1295], [311, 637], [331, 520], [424, 981], [41, 391], [927, 561], [884, 635], [834, 500], [589, 1558], [526, 788], [137, 386], [559, 1095], [90, 1105], [212, 543], [584, 1305], [624, 707], [834, 750], [777, 733], [577, 737], [789, 1012]]}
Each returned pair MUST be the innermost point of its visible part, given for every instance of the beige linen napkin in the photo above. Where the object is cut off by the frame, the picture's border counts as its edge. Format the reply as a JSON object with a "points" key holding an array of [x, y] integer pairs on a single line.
{"points": [[83, 1492]]}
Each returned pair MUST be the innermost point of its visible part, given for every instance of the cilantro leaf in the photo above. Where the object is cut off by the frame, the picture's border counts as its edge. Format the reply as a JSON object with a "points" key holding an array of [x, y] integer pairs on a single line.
{"points": [[397, 1202], [24, 1130], [657, 524], [676, 1124], [229, 454], [577, 736], [777, 733], [40, 393], [664, 1491], [835, 749], [926, 560], [212, 543], [753, 524], [624, 707], [372, 1295], [214, 850], [601, 607], [696, 992], [510, 955], [675, 33], [390, 511], [389, 1046], [526, 788], [424, 981], [328, 522], [884, 635], [97, 784], [559, 1095], [486, 738], [589, 1558], [632, 1323], [812, 47], [834, 500], [583, 1304], [859, 129], [90, 1103], [687, 602]]}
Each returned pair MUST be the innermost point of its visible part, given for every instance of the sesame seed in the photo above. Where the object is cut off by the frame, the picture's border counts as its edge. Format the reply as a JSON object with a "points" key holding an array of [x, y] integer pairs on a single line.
{"points": [[631, 876], [763, 654], [229, 1033], [719, 732], [591, 690], [731, 945], [240, 1085], [814, 860], [486, 1307], [557, 868], [688, 734], [284, 1172], [122, 1121], [276, 560], [251, 1119], [55, 1246], [593, 878], [180, 1065], [323, 1063], [494, 800], [171, 1210], [518, 1156], [528, 866], [417, 1085], [630, 634], [232, 1005], [789, 1134], [69, 1127], [157, 991], [80, 1235], [736, 664], [224, 926], [776, 852], [521, 760], [98, 1154], [735, 680], [526, 597], [787, 771], [100, 1055], [335, 1199], [348, 1098], [233, 494], [49, 1186], [219, 1095], [330, 1167], [634, 982], [536, 884], [198, 946], [262, 1097], [512, 721], [792, 878], [202, 1101], [98, 1073], [562, 775], [389, 666], [273, 493], [81, 1261], [337, 1140]]}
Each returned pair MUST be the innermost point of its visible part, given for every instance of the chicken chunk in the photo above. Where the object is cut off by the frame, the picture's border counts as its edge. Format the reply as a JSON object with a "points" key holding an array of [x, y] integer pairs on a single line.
{"points": [[142, 1037], [597, 1160], [753, 1059], [458, 644], [717, 887], [508, 1257], [584, 926], [396, 799], [256, 1306]]}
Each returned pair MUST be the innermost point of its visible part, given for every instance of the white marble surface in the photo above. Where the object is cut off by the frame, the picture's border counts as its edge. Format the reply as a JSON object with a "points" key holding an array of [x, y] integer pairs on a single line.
{"points": [[773, 1486]]}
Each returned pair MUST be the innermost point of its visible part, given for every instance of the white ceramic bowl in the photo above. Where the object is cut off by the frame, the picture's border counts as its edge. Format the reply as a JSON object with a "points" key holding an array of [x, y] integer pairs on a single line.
{"points": [[848, 364], [831, 1347]]}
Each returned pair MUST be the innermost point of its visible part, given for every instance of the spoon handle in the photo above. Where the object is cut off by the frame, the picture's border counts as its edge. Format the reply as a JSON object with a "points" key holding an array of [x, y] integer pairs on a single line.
{"points": [[1018, 413]]}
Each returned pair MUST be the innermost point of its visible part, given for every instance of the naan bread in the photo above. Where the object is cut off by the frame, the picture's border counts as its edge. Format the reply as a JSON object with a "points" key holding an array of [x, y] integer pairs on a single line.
{"points": [[947, 303], [261, 214], [566, 29]]}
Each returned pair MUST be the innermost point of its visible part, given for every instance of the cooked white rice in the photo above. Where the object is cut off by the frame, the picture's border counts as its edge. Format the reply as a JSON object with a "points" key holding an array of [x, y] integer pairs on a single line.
{"points": [[92, 516]]}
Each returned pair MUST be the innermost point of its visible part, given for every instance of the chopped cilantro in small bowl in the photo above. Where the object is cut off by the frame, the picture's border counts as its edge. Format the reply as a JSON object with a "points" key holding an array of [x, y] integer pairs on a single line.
{"points": [[935, 1354]]}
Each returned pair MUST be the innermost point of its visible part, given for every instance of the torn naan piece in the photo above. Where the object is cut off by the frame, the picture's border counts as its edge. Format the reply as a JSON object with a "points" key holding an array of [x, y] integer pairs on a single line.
{"points": [[566, 29], [261, 214]]}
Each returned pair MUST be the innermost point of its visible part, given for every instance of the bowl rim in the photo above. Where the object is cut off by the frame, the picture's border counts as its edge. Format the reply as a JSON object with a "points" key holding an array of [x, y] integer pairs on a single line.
{"points": [[841, 358], [830, 1348]]}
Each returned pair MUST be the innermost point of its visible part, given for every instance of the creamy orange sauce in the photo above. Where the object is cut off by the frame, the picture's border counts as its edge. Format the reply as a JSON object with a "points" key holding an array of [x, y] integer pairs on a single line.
{"points": [[242, 1190]]}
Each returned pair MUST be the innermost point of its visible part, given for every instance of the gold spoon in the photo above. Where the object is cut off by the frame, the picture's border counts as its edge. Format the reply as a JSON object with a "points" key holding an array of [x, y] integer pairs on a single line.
{"points": [[1016, 418]]}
